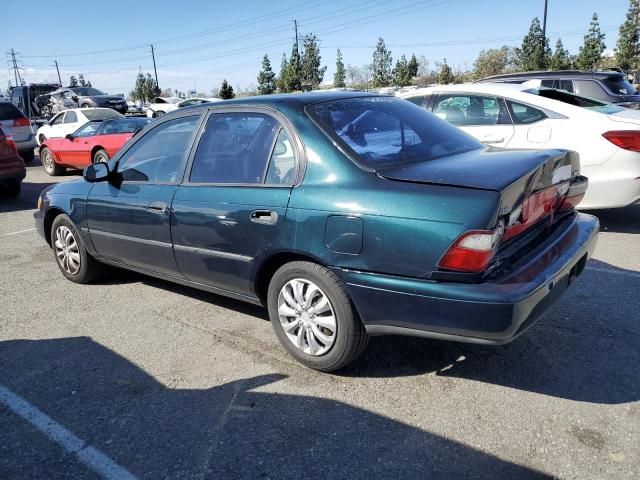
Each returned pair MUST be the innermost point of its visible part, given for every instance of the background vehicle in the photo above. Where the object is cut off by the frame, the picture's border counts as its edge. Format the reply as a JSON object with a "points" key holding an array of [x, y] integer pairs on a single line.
{"points": [[12, 170], [17, 125], [606, 136], [96, 141], [70, 120], [438, 236], [79, 97], [161, 105], [608, 85], [25, 97]]}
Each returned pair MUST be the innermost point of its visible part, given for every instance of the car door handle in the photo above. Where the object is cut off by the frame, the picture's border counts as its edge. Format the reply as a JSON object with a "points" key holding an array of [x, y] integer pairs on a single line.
{"points": [[265, 217], [492, 139], [157, 207]]}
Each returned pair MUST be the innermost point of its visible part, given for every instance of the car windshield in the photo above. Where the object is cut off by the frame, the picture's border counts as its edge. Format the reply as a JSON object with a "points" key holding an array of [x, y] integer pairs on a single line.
{"points": [[87, 91], [576, 100], [381, 132], [101, 113], [619, 85]]}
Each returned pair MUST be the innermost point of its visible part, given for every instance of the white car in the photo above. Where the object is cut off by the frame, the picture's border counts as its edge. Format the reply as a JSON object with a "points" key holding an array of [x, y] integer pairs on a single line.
{"points": [[162, 105], [606, 136], [68, 121]]}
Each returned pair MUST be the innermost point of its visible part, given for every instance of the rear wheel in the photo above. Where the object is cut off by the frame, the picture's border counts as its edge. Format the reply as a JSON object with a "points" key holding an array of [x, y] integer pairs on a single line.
{"points": [[101, 156], [70, 254], [27, 156], [158, 113], [313, 317], [49, 164]]}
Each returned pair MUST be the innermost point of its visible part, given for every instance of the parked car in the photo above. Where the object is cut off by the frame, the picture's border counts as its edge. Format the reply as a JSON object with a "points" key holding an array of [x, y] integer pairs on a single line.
{"points": [[439, 237], [25, 97], [608, 85], [96, 141], [79, 97], [68, 121], [12, 169], [606, 136], [16, 125], [161, 105]]}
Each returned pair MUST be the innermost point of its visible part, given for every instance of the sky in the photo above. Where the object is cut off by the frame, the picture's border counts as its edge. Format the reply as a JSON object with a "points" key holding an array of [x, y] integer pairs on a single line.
{"points": [[198, 43]]}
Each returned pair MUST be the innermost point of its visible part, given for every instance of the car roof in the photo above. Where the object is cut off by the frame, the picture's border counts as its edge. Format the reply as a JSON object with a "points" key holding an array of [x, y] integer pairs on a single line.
{"points": [[601, 74]]}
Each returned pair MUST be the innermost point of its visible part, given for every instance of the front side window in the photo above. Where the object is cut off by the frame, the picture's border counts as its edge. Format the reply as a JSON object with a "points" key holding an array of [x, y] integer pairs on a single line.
{"points": [[71, 117], [471, 110], [157, 157], [88, 130], [234, 148], [57, 120], [381, 132], [523, 114]]}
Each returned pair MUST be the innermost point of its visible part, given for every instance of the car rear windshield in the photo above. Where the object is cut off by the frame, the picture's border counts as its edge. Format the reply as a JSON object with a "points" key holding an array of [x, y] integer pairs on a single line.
{"points": [[380, 132], [576, 100], [619, 85], [9, 112], [101, 114]]}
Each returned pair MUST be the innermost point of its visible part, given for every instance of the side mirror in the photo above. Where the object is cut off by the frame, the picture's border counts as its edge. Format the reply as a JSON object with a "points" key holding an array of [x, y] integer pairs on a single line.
{"points": [[69, 136], [97, 172], [74, 97]]}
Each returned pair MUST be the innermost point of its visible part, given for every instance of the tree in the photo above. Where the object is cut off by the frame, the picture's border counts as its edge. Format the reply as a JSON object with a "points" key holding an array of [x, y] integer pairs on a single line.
{"points": [[89, 84], [381, 66], [293, 74], [627, 48], [166, 93], [353, 74], [311, 72], [446, 74], [282, 78], [366, 73], [413, 66], [81, 81], [560, 60], [535, 51], [73, 81], [226, 91], [495, 61], [590, 53], [340, 76], [401, 74], [266, 78], [151, 88]]}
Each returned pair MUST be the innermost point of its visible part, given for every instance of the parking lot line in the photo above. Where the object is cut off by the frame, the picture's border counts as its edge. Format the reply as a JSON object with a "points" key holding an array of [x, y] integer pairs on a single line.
{"points": [[614, 272], [18, 232], [88, 455]]}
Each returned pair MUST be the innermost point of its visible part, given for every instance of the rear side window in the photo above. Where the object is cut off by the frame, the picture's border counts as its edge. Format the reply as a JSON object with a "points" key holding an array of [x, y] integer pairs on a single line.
{"points": [[235, 148], [547, 83], [523, 114], [566, 85], [619, 85], [71, 117], [420, 100], [381, 132], [9, 112], [469, 110], [589, 88]]}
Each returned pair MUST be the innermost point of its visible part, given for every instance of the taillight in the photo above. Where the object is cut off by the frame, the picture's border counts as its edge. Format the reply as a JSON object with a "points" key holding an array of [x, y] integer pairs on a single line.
{"points": [[8, 146], [21, 122], [625, 139], [472, 251]]}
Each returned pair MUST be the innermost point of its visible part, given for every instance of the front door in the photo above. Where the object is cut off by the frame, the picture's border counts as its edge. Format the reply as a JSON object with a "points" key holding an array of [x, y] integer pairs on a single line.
{"points": [[76, 152], [232, 206], [129, 219]]}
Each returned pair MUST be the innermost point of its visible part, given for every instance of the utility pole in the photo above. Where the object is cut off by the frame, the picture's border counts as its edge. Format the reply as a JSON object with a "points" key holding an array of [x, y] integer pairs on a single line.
{"points": [[544, 22], [154, 66], [295, 26], [16, 71], [58, 70]]}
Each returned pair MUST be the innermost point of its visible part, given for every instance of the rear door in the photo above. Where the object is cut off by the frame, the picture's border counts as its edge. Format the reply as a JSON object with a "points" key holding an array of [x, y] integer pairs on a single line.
{"points": [[231, 208], [483, 116], [532, 129]]}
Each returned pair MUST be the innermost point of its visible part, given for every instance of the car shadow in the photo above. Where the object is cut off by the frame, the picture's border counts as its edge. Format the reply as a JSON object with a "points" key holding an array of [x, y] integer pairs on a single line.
{"points": [[244, 428], [27, 200], [619, 220]]}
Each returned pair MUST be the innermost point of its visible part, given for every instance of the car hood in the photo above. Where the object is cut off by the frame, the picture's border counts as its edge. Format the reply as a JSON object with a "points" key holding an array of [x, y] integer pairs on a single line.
{"points": [[74, 187]]}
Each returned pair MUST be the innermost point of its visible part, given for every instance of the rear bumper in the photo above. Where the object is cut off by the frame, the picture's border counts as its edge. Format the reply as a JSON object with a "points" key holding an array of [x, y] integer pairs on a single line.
{"points": [[12, 174], [494, 312], [616, 193]]}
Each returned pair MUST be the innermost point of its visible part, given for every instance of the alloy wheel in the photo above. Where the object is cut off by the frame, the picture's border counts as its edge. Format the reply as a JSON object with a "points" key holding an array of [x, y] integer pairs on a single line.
{"points": [[307, 317], [47, 161], [67, 251]]}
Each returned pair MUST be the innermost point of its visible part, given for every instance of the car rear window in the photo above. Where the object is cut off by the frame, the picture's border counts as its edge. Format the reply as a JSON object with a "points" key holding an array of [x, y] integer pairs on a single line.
{"points": [[619, 85], [577, 100], [101, 114], [9, 112], [380, 132]]}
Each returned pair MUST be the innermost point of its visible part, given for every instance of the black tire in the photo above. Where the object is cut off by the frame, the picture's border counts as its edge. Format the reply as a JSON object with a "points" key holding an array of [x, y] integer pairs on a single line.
{"points": [[158, 113], [101, 156], [350, 337], [89, 268], [28, 156], [11, 190], [49, 164], [42, 138]]}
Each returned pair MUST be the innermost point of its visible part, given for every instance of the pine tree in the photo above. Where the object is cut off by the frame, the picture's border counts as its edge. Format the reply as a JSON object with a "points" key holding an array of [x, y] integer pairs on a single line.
{"points": [[401, 74], [81, 81], [281, 81], [151, 88], [340, 76], [627, 48], [446, 74], [535, 51], [311, 72], [73, 81], [413, 66], [560, 60], [293, 76], [226, 91], [266, 78], [381, 66], [590, 53]]}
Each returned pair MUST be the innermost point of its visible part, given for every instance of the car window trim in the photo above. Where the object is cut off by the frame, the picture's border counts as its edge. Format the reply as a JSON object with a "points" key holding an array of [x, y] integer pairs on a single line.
{"points": [[116, 158], [283, 122], [509, 103]]}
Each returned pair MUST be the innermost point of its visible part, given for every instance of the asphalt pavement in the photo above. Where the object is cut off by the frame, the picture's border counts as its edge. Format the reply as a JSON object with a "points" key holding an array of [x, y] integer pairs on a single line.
{"points": [[133, 377]]}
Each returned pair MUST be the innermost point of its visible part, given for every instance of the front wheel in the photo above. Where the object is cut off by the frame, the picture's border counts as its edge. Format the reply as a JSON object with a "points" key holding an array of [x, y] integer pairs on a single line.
{"points": [[313, 316], [72, 258], [101, 156], [12, 190], [49, 164]]}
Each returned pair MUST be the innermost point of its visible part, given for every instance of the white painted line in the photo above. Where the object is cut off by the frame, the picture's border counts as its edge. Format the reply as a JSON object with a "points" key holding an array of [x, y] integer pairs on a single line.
{"points": [[615, 272], [18, 232], [91, 457]]}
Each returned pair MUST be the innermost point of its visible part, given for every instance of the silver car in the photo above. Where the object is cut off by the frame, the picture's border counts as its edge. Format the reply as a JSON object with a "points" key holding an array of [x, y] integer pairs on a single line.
{"points": [[14, 123]]}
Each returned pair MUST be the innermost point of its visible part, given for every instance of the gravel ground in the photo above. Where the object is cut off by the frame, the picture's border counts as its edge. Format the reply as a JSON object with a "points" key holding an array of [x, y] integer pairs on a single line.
{"points": [[168, 382]]}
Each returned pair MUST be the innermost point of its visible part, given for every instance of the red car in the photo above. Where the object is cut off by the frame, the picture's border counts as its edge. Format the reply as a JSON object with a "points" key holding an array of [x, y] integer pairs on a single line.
{"points": [[12, 170], [94, 142]]}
